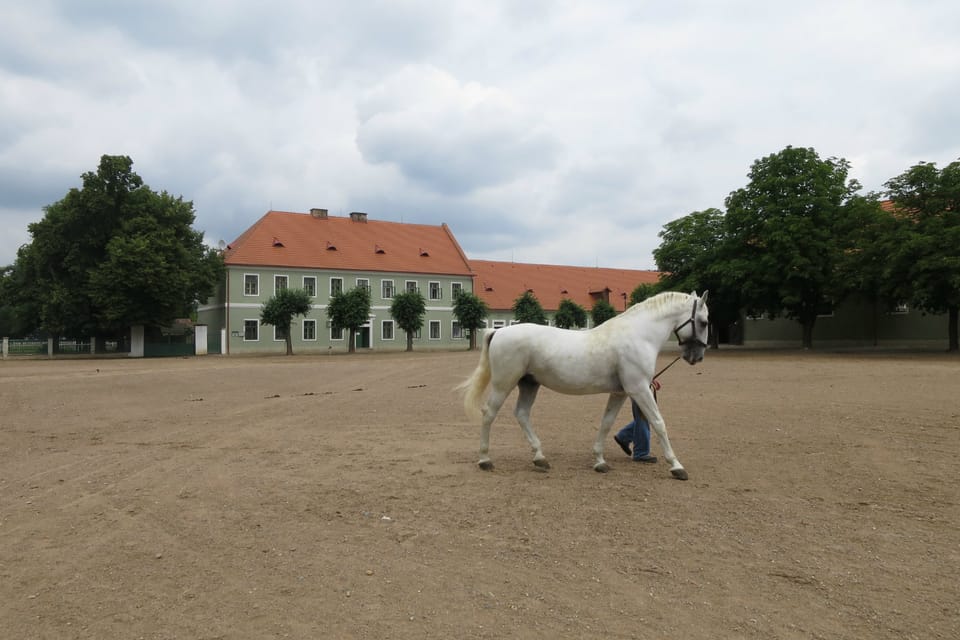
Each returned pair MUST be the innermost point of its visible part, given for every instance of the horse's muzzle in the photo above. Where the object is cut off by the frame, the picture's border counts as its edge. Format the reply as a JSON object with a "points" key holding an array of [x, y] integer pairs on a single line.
{"points": [[693, 352]]}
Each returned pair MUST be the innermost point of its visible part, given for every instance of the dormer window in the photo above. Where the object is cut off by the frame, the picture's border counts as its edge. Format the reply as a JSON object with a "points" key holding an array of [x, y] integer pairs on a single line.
{"points": [[331, 246], [378, 249], [276, 242], [424, 252]]}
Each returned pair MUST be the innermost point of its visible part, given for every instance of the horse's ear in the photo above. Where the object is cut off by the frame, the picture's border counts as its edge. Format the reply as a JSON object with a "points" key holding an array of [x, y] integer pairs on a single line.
{"points": [[703, 298]]}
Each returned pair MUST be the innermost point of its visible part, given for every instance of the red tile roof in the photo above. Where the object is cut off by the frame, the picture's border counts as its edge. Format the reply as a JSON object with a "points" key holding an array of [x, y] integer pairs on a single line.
{"points": [[500, 283], [301, 240]]}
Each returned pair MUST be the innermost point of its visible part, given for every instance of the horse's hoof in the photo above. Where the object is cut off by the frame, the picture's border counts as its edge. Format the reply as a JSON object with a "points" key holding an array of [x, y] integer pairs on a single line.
{"points": [[603, 467], [486, 465], [679, 474], [541, 464]]}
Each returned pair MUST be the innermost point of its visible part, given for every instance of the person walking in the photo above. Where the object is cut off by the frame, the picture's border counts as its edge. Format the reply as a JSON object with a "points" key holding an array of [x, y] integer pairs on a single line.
{"points": [[637, 433]]}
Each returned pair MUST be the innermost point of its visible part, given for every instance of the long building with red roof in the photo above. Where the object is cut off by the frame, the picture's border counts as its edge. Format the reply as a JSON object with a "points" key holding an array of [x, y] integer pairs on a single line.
{"points": [[325, 254]]}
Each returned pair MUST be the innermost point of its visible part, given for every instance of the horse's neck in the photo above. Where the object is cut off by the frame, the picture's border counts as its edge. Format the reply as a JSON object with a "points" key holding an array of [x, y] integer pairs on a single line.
{"points": [[660, 320]]}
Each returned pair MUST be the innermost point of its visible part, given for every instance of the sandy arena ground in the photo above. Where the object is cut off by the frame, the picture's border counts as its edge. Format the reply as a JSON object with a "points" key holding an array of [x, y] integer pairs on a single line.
{"points": [[339, 497]]}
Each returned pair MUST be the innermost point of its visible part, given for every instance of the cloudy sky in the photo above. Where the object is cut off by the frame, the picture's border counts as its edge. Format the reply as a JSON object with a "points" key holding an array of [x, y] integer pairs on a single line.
{"points": [[539, 131]]}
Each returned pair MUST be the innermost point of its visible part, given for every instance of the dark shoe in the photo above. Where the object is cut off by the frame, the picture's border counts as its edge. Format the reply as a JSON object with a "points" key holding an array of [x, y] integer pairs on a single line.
{"points": [[623, 445], [650, 459]]}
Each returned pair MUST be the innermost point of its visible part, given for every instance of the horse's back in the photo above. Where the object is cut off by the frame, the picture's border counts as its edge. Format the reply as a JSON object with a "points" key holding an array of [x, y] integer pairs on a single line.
{"points": [[565, 360]]}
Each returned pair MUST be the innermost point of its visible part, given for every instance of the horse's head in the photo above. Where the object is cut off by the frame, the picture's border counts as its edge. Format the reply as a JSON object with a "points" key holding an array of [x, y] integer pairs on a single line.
{"points": [[692, 332]]}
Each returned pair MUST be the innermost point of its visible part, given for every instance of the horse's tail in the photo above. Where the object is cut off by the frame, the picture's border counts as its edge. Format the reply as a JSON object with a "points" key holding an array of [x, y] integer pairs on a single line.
{"points": [[474, 386]]}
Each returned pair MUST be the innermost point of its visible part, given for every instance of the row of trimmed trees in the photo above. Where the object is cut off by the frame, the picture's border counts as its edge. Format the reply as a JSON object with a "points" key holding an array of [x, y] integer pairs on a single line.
{"points": [[349, 310]]}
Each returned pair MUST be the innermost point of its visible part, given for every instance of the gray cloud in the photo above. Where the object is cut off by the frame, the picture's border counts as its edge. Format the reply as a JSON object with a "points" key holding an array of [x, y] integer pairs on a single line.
{"points": [[538, 131]]}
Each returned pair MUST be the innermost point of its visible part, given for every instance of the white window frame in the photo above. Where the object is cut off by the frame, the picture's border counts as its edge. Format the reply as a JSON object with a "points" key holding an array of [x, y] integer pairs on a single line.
{"points": [[280, 278], [338, 288], [333, 334], [393, 330], [304, 283], [499, 324], [439, 290], [257, 280], [439, 327], [454, 286], [275, 337], [456, 330], [900, 309], [256, 323], [303, 330], [383, 289], [408, 288], [363, 282]]}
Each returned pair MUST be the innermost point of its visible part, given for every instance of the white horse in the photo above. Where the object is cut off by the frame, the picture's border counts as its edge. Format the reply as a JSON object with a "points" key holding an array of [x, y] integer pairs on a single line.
{"points": [[618, 357]]}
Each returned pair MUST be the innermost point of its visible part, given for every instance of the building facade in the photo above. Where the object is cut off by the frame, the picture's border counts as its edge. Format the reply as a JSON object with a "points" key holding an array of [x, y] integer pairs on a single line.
{"points": [[324, 255]]}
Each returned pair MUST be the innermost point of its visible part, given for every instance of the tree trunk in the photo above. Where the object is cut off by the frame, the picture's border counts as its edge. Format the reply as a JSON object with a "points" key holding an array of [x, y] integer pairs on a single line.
{"points": [[289, 340], [473, 339], [409, 340], [952, 329], [352, 347], [808, 332]]}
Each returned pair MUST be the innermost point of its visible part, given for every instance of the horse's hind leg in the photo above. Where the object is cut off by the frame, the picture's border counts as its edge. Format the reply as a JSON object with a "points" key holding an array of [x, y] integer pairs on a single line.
{"points": [[490, 409], [528, 393]]}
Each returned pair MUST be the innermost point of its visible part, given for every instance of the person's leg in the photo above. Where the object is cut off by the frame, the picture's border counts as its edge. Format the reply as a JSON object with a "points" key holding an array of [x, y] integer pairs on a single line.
{"points": [[641, 437], [624, 437]]}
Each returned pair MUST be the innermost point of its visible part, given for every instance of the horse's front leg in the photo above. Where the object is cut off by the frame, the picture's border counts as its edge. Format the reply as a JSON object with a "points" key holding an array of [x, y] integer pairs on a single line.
{"points": [[648, 406], [614, 402]]}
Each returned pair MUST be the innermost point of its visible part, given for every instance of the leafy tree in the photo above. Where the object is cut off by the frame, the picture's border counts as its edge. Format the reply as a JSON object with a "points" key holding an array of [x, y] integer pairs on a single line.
{"points": [[350, 310], [570, 314], [408, 309], [601, 312], [111, 254], [281, 308], [924, 261], [691, 257], [470, 312], [783, 235], [527, 308]]}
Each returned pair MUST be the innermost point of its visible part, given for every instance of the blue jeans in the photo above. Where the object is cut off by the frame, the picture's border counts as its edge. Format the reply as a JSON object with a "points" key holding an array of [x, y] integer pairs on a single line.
{"points": [[637, 432]]}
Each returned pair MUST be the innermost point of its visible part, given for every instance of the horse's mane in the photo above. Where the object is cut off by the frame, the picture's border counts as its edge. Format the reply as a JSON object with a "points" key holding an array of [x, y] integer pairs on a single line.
{"points": [[660, 304]]}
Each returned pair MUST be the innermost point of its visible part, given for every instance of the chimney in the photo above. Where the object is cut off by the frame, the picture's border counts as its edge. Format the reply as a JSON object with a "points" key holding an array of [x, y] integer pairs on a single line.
{"points": [[358, 216], [319, 213]]}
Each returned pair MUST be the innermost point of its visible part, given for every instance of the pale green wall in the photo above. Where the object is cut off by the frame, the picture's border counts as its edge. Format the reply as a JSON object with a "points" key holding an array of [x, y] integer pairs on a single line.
{"points": [[247, 307]]}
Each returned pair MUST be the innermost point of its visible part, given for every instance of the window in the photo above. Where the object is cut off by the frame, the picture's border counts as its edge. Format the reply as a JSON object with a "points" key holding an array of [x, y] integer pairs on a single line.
{"points": [[251, 330], [386, 289], [309, 329], [336, 286], [386, 330], [363, 282], [900, 308], [456, 288], [434, 329], [825, 309], [435, 291], [336, 333], [279, 334], [456, 330], [499, 324], [411, 286], [310, 285], [280, 283], [251, 284]]}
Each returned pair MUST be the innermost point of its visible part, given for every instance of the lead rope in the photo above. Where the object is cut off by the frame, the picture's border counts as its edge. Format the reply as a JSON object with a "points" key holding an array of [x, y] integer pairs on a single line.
{"points": [[665, 368]]}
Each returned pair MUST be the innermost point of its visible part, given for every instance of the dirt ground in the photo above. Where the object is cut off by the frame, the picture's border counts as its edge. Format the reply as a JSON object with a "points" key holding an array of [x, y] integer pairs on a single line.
{"points": [[339, 497]]}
